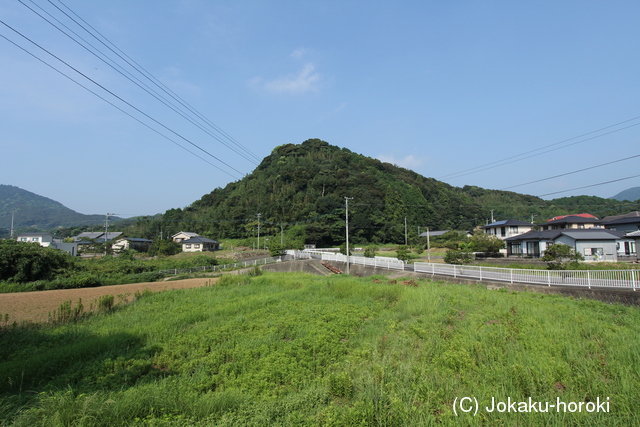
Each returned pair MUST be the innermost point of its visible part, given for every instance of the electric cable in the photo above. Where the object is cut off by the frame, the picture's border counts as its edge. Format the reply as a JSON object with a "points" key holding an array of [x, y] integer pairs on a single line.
{"points": [[150, 77], [104, 99], [131, 78]]}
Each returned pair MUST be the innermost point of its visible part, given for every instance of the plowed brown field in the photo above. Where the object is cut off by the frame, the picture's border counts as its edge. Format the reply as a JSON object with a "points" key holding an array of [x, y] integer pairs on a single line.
{"points": [[36, 306]]}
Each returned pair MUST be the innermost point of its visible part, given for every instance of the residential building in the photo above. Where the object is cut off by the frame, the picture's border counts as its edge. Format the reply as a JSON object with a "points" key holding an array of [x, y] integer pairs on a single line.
{"points": [[596, 244], [183, 235], [126, 243], [507, 228], [48, 241], [200, 244], [579, 222], [629, 222]]}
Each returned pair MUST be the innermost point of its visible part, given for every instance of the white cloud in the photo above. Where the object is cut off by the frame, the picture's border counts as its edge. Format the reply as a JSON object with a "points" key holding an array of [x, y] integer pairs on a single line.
{"points": [[409, 162], [307, 80], [299, 53]]}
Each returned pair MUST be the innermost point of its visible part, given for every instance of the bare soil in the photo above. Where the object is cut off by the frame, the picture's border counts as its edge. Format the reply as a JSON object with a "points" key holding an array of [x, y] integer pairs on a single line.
{"points": [[36, 306]]}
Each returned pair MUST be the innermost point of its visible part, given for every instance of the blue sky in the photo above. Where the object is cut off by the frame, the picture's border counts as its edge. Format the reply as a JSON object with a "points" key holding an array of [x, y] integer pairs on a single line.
{"points": [[449, 89]]}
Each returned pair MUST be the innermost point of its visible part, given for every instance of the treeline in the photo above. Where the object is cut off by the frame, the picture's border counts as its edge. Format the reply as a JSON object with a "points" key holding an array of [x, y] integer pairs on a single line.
{"points": [[300, 190]]}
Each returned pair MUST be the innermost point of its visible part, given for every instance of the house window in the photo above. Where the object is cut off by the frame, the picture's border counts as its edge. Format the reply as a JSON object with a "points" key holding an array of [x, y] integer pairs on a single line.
{"points": [[23, 239], [187, 246], [593, 251], [196, 246], [580, 225], [513, 229], [35, 239], [503, 231]]}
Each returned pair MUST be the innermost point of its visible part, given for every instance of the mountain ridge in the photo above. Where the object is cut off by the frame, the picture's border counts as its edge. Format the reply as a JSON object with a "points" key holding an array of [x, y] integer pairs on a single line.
{"points": [[40, 212]]}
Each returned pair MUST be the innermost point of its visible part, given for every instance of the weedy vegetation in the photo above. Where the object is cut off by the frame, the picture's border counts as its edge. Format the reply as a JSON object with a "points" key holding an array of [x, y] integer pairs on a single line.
{"points": [[296, 349]]}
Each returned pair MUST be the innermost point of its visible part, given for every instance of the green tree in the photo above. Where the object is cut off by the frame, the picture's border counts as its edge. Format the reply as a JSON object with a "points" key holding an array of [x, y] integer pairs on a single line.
{"points": [[463, 255], [343, 249], [26, 262], [403, 253], [164, 247], [560, 256], [370, 251], [482, 242]]}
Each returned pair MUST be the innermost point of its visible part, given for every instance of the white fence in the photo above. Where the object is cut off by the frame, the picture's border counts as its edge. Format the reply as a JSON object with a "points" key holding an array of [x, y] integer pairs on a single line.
{"points": [[382, 262], [214, 268], [622, 279], [586, 278]]}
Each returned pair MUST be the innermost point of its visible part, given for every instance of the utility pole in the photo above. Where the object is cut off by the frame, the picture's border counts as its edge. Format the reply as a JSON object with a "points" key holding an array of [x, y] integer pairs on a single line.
{"points": [[11, 233], [106, 232], [346, 200], [492, 221], [258, 247], [281, 232], [406, 240], [428, 247]]}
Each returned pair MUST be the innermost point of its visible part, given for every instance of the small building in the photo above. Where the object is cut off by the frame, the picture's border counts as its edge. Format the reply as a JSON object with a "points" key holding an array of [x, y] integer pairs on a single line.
{"points": [[507, 228], [434, 233], [46, 240], [98, 236], [579, 222], [183, 235], [200, 244], [596, 244], [629, 222], [135, 243]]}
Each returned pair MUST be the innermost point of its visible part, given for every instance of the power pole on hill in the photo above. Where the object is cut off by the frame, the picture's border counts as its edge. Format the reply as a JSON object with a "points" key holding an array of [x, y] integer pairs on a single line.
{"points": [[259, 231], [346, 200]]}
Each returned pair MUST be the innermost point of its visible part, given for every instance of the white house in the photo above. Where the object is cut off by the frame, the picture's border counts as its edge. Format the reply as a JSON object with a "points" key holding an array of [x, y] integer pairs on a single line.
{"points": [[507, 228], [46, 240], [183, 235], [200, 244], [126, 243]]}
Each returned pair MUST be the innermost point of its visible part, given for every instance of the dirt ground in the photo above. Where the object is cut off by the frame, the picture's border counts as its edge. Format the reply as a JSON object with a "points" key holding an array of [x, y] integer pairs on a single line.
{"points": [[36, 306]]}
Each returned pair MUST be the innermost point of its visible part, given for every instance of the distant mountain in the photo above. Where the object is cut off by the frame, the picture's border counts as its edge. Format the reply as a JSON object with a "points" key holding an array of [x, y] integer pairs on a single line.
{"points": [[32, 210], [630, 194]]}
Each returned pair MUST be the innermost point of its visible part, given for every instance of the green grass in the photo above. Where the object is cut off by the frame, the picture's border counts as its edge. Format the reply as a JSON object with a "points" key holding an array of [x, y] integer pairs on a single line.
{"points": [[295, 349]]}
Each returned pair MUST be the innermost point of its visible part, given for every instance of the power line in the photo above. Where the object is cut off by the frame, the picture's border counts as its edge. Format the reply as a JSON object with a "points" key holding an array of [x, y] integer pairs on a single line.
{"points": [[113, 105], [516, 158], [137, 81], [150, 77], [110, 92], [589, 186], [576, 171]]}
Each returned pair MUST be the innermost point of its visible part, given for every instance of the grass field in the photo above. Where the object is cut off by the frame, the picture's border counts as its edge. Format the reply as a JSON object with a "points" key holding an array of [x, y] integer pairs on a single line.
{"points": [[295, 349]]}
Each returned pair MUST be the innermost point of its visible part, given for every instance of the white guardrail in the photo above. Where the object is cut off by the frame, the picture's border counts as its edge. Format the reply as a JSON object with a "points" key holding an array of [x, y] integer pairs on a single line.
{"points": [[621, 279]]}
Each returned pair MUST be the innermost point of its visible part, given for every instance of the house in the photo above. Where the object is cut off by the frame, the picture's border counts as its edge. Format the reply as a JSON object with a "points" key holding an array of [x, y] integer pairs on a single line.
{"points": [[578, 221], [48, 241], [636, 236], [98, 236], [629, 222], [126, 243], [434, 233], [86, 240], [183, 235], [595, 244], [507, 228], [200, 244]]}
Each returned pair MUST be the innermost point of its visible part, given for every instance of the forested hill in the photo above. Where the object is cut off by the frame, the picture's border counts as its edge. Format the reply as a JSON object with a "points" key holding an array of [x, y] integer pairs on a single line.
{"points": [[303, 188], [32, 210], [306, 185]]}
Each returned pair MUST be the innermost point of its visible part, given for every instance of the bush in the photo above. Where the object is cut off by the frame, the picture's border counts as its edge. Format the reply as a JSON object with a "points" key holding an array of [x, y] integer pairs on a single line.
{"points": [[27, 262], [459, 256]]}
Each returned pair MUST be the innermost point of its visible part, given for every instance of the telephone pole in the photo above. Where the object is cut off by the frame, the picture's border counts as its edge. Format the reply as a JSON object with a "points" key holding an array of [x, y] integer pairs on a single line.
{"points": [[259, 231], [346, 200], [106, 232]]}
